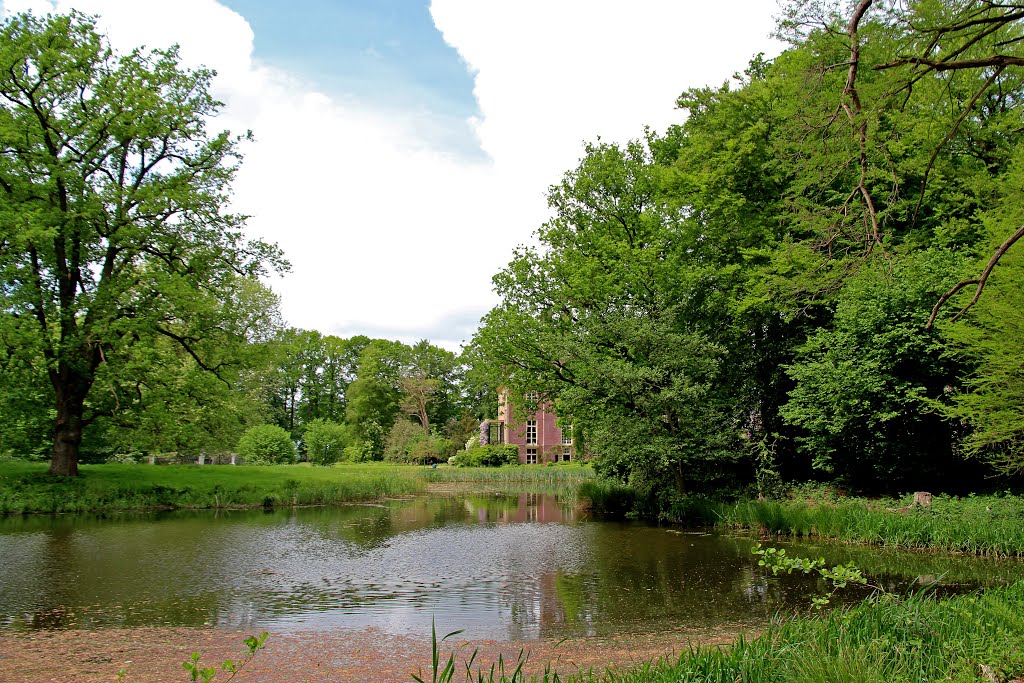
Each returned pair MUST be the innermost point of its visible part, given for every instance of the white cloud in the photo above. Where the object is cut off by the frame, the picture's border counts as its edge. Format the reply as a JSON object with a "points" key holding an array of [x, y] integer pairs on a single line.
{"points": [[384, 229], [550, 75]]}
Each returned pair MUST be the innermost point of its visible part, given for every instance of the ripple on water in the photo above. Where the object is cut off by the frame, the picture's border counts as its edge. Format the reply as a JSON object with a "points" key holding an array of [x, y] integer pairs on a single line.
{"points": [[513, 567]]}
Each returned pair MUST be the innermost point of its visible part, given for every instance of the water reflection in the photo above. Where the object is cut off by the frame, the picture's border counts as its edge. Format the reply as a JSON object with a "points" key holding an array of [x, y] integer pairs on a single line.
{"points": [[515, 566]]}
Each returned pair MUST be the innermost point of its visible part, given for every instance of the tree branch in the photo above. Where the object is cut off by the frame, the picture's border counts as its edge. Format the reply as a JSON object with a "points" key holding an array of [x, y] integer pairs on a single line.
{"points": [[980, 281], [1001, 61], [185, 344]]}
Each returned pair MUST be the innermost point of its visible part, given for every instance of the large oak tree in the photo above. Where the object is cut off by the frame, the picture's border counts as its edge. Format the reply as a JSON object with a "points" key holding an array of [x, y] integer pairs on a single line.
{"points": [[114, 228]]}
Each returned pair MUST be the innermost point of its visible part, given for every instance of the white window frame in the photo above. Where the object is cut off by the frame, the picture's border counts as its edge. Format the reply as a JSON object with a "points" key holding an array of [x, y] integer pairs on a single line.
{"points": [[531, 432], [567, 436], [531, 456]]}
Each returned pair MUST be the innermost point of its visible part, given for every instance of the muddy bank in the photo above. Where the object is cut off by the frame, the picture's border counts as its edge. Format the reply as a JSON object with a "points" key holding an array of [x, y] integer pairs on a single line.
{"points": [[154, 655]]}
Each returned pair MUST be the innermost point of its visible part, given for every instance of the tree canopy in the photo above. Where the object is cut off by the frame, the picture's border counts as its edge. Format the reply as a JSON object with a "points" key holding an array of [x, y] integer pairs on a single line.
{"points": [[114, 223], [762, 287]]}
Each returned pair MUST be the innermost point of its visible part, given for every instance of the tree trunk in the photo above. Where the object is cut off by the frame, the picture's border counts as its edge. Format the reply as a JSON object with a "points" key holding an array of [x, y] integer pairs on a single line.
{"points": [[67, 431]]}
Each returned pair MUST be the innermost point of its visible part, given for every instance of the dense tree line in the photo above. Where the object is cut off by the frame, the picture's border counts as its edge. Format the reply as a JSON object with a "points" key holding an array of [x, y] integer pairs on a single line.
{"points": [[132, 315], [369, 398], [812, 276], [748, 296]]}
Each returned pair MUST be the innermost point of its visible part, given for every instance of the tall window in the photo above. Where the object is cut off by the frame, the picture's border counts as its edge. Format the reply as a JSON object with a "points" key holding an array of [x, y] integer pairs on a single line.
{"points": [[531, 431], [567, 435], [531, 456], [567, 453]]}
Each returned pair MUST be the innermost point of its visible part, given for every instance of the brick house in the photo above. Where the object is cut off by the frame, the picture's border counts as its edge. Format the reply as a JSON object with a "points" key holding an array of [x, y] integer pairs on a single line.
{"points": [[537, 435]]}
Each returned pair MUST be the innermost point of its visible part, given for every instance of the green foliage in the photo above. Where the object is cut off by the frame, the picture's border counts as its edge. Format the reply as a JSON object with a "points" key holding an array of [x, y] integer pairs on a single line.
{"points": [[115, 224], [326, 441], [989, 398], [839, 576], [408, 443], [421, 381], [865, 387], [311, 374], [266, 445], [432, 450], [403, 435], [496, 455], [198, 672], [595, 322]]}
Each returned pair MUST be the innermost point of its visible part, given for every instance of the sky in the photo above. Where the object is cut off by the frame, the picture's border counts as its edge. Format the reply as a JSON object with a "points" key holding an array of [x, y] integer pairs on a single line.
{"points": [[403, 148]]}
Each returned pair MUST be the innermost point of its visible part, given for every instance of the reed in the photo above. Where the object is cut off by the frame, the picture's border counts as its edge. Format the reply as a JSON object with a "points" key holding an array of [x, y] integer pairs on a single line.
{"points": [[978, 525], [569, 474], [608, 497]]}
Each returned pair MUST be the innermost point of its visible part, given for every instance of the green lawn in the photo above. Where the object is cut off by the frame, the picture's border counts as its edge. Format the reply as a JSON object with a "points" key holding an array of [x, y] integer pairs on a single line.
{"points": [[25, 487]]}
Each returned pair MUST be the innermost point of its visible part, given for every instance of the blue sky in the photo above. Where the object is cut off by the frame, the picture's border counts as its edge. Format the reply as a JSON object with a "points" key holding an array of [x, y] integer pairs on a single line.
{"points": [[404, 148], [385, 52]]}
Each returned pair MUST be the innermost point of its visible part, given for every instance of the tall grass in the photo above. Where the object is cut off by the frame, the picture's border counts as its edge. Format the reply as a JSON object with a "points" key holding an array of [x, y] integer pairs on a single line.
{"points": [[884, 640], [608, 497], [25, 487], [978, 525], [569, 474]]}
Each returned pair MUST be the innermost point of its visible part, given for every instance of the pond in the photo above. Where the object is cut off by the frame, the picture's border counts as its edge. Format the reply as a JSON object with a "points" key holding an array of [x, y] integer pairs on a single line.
{"points": [[515, 566]]}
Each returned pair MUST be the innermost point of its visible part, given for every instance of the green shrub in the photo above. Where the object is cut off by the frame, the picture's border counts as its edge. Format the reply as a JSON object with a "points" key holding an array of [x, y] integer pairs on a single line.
{"points": [[327, 441], [361, 451], [431, 449], [266, 445], [408, 443], [488, 456], [401, 439]]}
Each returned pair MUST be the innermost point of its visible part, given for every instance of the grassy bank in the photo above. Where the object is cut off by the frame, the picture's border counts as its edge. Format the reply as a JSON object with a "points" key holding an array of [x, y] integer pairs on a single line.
{"points": [[25, 487], [568, 474], [978, 525], [983, 525], [885, 640]]}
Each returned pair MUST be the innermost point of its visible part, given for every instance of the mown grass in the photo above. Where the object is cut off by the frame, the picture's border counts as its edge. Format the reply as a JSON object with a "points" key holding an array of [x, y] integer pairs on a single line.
{"points": [[26, 487], [885, 640]]}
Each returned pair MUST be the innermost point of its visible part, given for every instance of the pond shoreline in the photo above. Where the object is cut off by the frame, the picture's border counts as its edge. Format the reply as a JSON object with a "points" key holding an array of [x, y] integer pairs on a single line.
{"points": [[154, 655]]}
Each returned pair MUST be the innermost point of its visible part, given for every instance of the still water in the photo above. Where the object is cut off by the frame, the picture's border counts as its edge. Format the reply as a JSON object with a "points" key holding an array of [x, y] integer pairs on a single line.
{"points": [[518, 566]]}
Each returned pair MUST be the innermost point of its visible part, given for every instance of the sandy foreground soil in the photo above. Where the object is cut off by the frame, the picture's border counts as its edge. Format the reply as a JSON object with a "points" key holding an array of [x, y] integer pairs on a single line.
{"points": [[154, 655]]}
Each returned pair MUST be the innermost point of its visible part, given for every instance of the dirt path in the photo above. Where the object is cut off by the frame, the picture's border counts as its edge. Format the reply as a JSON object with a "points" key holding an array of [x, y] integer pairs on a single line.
{"points": [[154, 655]]}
